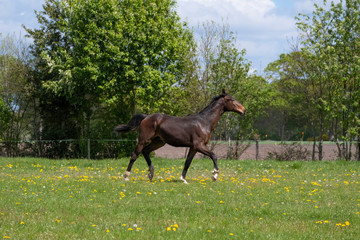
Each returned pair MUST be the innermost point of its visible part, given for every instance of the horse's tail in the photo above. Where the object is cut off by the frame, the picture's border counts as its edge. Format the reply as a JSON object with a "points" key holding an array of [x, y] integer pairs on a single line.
{"points": [[133, 124]]}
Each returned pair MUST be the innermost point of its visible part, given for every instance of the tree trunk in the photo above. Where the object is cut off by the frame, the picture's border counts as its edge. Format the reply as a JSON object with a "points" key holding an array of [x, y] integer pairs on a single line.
{"points": [[358, 148], [313, 150], [257, 149]]}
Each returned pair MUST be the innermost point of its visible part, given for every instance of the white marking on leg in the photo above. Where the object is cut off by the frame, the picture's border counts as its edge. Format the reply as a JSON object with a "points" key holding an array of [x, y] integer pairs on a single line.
{"points": [[126, 175], [183, 179], [215, 175]]}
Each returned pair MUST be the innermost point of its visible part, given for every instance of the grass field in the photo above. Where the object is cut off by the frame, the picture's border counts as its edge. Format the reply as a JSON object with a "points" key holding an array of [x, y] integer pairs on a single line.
{"points": [[82, 199]]}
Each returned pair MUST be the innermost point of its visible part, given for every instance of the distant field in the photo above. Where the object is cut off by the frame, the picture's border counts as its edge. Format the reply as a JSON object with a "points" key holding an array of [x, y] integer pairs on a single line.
{"points": [[83, 199], [330, 150]]}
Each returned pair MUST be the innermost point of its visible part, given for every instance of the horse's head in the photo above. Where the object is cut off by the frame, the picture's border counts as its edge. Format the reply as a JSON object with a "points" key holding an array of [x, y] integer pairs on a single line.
{"points": [[231, 104]]}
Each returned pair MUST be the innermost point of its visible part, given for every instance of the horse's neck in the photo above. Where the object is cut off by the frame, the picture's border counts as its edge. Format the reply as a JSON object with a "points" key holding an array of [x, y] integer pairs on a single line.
{"points": [[212, 114]]}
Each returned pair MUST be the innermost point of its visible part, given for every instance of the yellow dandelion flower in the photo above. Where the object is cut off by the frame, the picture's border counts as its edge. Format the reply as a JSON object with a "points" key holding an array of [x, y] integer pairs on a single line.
{"points": [[168, 229], [231, 234], [130, 229], [347, 223]]}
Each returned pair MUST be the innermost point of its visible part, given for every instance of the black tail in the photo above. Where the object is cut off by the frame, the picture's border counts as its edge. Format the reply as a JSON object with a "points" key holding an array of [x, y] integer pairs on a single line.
{"points": [[133, 124]]}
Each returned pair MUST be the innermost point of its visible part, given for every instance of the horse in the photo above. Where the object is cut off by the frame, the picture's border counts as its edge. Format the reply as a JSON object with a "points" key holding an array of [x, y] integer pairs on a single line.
{"points": [[192, 131]]}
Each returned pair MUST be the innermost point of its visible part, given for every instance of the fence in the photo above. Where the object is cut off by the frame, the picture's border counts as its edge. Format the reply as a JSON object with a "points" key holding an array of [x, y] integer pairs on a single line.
{"points": [[68, 148], [115, 148]]}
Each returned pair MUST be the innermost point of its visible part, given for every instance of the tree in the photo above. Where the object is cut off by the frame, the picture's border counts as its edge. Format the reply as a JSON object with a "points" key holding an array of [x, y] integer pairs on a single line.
{"points": [[331, 40], [297, 94], [218, 64], [97, 54], [15, 101], [5, 116]]}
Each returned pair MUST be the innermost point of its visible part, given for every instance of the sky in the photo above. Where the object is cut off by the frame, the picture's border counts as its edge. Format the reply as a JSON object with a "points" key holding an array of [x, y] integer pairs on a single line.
{"points": [[262, 27]]}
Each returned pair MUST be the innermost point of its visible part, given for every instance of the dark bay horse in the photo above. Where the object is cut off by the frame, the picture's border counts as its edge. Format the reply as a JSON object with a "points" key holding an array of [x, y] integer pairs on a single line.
{"points": [[191, 131]]}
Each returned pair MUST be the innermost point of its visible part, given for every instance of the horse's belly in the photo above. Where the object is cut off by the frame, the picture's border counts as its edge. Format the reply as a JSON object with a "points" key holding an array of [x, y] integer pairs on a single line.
{"points": [[176, 137]]}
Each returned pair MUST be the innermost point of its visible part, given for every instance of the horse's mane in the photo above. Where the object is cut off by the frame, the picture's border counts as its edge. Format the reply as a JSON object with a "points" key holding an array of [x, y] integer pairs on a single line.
{"points": [[213, 101]]}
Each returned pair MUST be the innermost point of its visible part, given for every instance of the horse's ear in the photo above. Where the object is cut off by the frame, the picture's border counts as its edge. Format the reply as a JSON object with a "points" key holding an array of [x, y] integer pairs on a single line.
{"points": [[223, 91]]}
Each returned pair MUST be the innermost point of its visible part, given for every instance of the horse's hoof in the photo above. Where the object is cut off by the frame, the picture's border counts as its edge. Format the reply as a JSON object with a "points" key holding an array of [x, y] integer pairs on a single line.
{"points": [[126, 175], [183, 180], [215, 175]]}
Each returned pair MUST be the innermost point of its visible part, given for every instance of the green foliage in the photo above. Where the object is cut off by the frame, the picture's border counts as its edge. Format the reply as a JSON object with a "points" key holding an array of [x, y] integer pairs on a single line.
{"points": [[113, 49], [15, 99], [333, 40], [5, 117], [293, 94], [95, 57], [320, 79]]}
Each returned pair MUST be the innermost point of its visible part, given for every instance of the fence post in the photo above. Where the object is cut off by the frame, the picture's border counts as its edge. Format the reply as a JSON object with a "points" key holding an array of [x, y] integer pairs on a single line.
{"points": [[257, 149], [88, 144]]}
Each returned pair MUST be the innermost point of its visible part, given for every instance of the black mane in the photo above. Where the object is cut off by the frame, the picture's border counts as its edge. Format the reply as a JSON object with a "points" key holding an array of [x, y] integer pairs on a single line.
{"points": [[213, 101]]}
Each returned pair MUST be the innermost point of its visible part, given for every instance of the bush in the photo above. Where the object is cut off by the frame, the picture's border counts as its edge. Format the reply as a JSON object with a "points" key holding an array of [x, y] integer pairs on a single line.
{"points": [[290, 152]]}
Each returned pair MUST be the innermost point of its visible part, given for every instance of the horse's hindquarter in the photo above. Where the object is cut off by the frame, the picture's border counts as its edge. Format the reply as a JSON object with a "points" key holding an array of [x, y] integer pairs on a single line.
{"points": [[181, 131]]}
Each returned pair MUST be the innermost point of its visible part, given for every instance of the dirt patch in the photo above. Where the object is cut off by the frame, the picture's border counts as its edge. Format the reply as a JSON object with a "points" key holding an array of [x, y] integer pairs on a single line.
{"points": [[330, 151]]}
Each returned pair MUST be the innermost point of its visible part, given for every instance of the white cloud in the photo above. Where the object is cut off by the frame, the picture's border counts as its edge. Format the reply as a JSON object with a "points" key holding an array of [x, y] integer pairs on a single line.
{"points": [[262, 28], [243, 13], [15, 13], [259, 26]]}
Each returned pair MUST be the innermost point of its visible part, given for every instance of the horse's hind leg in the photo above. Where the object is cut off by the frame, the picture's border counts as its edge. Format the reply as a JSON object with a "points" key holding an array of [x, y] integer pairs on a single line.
{"points": [[134, 156], [155, 144], [188, 161]]}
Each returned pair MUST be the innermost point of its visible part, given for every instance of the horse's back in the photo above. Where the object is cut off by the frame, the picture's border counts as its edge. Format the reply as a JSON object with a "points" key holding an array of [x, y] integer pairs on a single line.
{"points": [[176, 131]]}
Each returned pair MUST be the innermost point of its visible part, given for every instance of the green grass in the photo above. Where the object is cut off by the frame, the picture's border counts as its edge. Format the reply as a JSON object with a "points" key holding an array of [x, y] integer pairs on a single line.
{"points": [[82, 199]]}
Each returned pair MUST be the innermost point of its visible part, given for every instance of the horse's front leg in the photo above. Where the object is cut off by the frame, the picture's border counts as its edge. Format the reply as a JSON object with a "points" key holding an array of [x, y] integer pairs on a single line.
{"points": [[204, 150]]}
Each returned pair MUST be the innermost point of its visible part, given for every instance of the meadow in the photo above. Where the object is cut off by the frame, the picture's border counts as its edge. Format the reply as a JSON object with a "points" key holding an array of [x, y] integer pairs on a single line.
{"points": [[88, 199]]}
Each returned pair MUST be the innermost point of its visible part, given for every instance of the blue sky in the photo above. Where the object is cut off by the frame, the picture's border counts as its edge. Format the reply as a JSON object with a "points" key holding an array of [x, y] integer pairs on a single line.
{"points": [[262, 27]]}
